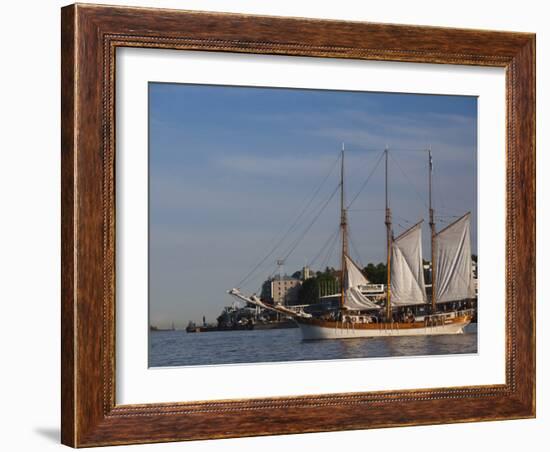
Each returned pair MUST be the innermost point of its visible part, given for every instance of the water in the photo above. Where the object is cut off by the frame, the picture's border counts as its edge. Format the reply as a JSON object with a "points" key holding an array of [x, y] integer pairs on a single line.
{"points": [[178, 348]]}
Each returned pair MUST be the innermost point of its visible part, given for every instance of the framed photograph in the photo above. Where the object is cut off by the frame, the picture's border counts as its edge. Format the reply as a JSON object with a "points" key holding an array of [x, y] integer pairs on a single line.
{"points": [[281, 225]]}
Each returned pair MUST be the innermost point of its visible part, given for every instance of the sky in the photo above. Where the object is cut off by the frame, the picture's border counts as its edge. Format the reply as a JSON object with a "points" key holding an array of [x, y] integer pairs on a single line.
{"points": [[231, 169]]}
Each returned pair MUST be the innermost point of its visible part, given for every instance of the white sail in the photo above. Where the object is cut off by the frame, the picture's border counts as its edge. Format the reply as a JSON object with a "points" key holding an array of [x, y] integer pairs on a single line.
{"points": [[353, 298], [453, 256], [407, 273]]}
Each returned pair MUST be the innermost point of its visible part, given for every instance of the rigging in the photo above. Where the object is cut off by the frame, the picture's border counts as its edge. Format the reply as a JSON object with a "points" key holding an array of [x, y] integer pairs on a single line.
{"points": [[292, 226]]}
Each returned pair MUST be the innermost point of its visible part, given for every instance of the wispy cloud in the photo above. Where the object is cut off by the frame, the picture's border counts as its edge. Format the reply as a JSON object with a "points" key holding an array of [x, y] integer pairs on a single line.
{"points": [[443, 132], [286, 165]]}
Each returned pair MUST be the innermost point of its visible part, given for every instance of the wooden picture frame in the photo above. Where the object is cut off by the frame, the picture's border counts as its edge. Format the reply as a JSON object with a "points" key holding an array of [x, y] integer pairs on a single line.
{"points": [[90, 36]]}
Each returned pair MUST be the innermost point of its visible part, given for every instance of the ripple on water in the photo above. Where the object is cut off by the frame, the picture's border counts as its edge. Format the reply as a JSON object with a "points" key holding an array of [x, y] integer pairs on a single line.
{"points": [[178, 348]]}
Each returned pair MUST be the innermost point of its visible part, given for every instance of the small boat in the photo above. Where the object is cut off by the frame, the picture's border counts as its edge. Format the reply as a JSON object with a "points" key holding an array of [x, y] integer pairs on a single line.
{"points": [[357, 315]]}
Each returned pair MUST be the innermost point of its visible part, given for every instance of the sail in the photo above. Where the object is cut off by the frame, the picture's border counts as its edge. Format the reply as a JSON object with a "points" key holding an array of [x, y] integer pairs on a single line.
{"points": [[453, 256], [354, 299], [407, 272]]}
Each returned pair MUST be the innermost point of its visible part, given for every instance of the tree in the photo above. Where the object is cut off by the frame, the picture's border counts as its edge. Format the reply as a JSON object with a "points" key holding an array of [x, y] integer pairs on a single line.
{"points": [[376, 274], [266, 291], [309, 291]]}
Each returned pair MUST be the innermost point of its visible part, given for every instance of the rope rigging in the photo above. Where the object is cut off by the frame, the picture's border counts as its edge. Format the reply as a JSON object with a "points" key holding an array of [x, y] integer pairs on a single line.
{"points": [[328, 257], [292, 226], [366, 180], [396, 161], [306, 230], [330, 240], [312, 211], [355, 250]]}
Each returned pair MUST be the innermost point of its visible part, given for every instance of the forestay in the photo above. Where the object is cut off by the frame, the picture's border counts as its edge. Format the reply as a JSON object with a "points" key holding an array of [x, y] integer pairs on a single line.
{"points": [[453, 256], [407, 274]]}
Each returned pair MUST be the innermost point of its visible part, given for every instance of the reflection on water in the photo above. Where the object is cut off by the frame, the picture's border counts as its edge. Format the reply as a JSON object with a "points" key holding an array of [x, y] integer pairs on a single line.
{"points": [[178, 348]]}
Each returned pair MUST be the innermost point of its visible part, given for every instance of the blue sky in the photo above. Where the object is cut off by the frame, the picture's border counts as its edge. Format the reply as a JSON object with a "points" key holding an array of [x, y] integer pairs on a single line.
{"points": [[231, 167]]}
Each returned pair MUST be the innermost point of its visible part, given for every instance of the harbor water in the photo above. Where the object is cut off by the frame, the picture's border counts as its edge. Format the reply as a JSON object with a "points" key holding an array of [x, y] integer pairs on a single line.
{"points": [[178, 348]]}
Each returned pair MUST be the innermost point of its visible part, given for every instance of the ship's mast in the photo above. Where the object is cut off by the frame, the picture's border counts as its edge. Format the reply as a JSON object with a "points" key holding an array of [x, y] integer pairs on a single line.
{"points": [[432, 226], [343, 230], [388, 250]]}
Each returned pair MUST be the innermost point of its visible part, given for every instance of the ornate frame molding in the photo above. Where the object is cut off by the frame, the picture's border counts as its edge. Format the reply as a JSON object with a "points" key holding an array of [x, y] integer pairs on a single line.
{"points": [[90, 37]]}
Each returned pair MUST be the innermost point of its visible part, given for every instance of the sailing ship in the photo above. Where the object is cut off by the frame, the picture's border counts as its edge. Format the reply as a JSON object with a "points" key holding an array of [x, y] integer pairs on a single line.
{"points": [[357, 315]]}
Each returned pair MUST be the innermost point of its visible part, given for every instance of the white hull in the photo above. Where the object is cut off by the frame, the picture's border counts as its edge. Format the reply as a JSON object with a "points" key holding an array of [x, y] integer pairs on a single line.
{"points": [[316, 332]]}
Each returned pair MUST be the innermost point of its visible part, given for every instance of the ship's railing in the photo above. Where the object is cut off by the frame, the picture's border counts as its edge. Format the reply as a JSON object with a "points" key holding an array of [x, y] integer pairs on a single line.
{"points": [[440, 318]]}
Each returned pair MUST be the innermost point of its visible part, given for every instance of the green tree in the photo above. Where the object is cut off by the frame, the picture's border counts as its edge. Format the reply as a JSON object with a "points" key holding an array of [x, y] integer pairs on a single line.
{"points": [[309, 291], [376, 274], [266, 291]]}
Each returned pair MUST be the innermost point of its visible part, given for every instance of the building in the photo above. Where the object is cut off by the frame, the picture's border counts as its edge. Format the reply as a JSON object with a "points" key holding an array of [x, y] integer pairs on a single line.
{"points": [[285, 290]]}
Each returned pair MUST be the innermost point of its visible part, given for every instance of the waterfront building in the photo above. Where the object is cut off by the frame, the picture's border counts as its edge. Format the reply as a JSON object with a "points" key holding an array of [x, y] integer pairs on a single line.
{"points": [[284, 290]]}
